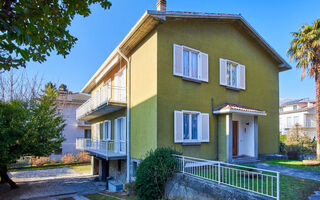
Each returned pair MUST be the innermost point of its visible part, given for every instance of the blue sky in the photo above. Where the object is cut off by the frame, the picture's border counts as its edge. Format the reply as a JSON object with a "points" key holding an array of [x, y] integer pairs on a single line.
{"points": [[102, 31]]}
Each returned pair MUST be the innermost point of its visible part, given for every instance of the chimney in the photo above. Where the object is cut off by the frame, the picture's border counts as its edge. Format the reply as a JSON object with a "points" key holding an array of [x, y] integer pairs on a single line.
{"points": [[161, 5]]}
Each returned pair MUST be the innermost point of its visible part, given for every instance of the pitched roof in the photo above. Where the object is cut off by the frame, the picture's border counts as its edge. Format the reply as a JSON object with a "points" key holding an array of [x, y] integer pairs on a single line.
{"points": [[237, 108], [151, 18]]}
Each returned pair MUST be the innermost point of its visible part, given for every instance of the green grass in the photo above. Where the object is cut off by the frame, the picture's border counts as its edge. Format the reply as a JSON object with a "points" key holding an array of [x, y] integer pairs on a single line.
{"points": [[97, 196], [81, 168], [295, 164], [51, 167], [67, 198]]}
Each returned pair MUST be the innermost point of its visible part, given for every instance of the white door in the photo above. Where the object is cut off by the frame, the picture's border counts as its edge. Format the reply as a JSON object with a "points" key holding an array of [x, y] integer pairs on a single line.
{"points": [[120, 135], [120, 86]]}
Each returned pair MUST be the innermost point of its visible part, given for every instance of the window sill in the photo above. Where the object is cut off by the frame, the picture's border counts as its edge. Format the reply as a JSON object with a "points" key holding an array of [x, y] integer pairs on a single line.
{"points": [[191, 79], [232, 88], [191, 143]]}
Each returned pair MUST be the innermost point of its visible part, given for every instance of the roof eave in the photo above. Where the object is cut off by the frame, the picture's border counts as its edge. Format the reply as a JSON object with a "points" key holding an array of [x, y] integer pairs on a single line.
{"points": [[227, 111]]}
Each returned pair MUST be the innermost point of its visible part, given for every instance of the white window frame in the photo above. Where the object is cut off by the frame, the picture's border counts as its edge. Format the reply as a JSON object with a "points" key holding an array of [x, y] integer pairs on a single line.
{"points": [[106, 135], [190, 125], [191, 50], [231, 75]]}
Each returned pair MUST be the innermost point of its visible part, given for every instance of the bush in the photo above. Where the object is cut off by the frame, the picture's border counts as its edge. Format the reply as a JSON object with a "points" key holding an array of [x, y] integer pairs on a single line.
{"points": [[83, 157], [283, 147], [39, 161], [153, 172], [53, 161], [283, 138], [68, 158]]}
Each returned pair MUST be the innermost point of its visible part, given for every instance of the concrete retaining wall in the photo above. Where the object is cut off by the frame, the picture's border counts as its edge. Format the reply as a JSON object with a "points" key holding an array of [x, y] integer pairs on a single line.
{"points": [[182, 186]]}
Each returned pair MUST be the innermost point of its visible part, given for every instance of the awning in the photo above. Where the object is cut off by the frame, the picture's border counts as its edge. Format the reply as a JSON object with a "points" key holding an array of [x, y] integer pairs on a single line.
{"points": [[237, 108]]}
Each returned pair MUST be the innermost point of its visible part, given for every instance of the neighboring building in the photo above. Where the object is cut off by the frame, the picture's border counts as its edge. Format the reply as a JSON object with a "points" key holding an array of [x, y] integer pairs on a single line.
{"points": [[299, 111], [68, 103], [205, 84]]}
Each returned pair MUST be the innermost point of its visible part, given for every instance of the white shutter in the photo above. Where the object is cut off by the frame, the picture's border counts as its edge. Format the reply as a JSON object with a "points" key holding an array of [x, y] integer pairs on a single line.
{"points": [[109, 130], [178, 126], [204, 127], [241, 77], [223, 71], [204, 67], [177, 60]]}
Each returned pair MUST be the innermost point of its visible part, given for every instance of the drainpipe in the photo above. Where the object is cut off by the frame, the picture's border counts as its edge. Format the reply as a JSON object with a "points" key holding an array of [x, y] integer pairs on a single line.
{"points": [[128, 114], [212, 109]]}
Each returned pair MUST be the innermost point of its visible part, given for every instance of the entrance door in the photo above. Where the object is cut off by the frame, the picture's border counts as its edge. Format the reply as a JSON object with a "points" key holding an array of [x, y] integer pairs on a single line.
{"points": [[235, 138]]}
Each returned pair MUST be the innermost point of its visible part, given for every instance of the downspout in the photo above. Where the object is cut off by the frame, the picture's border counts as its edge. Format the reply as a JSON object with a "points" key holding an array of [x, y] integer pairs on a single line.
{"points": [[128, 114], [212, 110]]}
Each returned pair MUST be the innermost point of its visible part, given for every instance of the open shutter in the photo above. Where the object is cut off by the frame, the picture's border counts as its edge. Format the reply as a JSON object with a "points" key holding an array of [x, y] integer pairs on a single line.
{"points": [[177, 60], [223, 72], [242, 77], [204, 67], [204, 127], [178, 126], [109, 130]]}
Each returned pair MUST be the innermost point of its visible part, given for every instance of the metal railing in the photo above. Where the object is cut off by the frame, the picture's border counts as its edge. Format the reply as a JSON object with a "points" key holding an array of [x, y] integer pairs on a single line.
{"points": [[106, 148], [260, 181], [107, 94]]}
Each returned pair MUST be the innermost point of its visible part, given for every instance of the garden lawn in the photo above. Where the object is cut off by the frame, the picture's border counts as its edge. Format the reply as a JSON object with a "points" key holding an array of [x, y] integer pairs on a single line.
{"points": [[99, 197], [296, 164], [81, 168]]}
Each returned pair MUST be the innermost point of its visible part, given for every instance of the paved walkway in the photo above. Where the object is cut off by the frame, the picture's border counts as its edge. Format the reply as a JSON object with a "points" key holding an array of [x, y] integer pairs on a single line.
{"points": [[291, 172], [295, 173], [51, 184]]}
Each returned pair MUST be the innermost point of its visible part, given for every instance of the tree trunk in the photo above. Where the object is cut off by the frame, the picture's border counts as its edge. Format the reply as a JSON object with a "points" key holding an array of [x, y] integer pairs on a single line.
{"points": [[317, 78], [6, 178]]}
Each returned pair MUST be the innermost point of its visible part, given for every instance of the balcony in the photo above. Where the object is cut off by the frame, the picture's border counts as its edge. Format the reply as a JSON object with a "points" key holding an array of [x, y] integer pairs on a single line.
{"points": [[310, 124], [110, 150], [83, 124], [108, 99]]}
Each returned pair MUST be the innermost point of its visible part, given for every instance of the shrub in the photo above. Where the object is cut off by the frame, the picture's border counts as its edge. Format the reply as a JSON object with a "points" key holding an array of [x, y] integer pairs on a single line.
{"points": [[283, 147], [83, 157], [153, 172], [283, 138], [39, 161], [53, 161], [297, 142], [68, 158]]}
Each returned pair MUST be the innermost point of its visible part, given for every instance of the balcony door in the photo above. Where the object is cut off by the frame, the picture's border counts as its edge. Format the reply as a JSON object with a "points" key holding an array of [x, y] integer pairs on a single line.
{"points": [[120, 135], [120, 86]]}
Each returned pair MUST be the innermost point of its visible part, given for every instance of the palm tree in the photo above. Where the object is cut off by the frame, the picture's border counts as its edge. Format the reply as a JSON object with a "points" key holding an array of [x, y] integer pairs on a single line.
{"points": [[305, 50]]}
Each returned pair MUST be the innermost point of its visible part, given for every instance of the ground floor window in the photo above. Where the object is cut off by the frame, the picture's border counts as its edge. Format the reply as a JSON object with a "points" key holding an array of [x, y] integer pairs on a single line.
{"points": [[134, 165], [87, 133]]}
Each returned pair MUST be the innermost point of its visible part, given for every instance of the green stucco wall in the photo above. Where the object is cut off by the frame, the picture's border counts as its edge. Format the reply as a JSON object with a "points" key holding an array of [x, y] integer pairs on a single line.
{"points": [[222, 138], [143, 97], [218, 40]]}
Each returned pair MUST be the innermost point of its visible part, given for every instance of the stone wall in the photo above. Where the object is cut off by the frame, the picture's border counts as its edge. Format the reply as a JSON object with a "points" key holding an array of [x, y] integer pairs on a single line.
{"points": [[186, 187], [119, 175]]}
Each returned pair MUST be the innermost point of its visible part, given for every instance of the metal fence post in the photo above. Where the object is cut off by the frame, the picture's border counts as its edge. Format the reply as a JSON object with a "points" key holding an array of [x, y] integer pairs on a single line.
{"points": [[183, 164], [219, 176], [278, 185]]}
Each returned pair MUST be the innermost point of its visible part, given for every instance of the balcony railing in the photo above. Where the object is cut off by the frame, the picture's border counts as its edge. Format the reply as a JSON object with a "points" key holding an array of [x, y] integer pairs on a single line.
{"points": [[107, 94], [81, 123], [310, 124], [110, 148]]}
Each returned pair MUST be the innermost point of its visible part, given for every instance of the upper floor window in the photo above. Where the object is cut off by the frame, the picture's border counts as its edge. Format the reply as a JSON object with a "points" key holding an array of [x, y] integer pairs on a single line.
{"points": [[106, 130], [295, 107], [191, 126], [190, 63], [232, 74]]}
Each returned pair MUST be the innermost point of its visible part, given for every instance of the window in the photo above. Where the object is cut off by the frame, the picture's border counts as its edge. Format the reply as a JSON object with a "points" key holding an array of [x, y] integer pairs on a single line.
{"points": [[87, 133], [106, 130], [191, 126], [135, 164], [190, 63], [120, 134], [232, 74], [295, 107]]}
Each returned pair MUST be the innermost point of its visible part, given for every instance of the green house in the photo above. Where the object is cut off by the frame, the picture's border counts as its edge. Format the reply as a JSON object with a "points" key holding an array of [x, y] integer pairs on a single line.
{"points": [[205, 84]]}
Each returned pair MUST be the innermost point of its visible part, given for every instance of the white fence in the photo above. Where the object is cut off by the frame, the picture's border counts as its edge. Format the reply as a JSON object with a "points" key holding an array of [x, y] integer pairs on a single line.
{"points": [[260, 181], [106, 148], [104, 95]]}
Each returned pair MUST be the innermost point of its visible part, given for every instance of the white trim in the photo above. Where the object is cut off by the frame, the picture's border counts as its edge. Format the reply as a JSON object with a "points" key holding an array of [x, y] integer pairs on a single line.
{"points": [[224, 111]]}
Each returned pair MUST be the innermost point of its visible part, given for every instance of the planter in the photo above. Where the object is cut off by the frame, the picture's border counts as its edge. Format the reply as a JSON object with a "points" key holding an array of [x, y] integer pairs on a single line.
{"points": [[311, 162]]}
